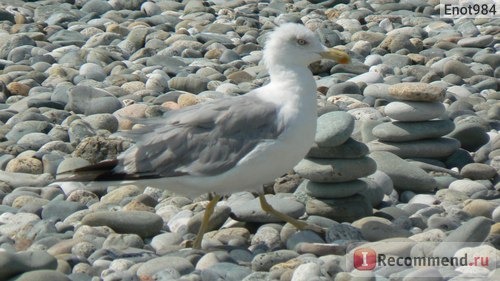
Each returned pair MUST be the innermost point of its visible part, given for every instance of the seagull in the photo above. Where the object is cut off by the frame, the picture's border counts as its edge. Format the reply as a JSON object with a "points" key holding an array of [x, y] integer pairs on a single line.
{"points": [[231, 144]]}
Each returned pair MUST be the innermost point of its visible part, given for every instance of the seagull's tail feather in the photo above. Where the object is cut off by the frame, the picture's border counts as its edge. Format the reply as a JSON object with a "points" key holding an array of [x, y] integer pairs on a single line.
{"points": [[102, 171], [96, 172]]}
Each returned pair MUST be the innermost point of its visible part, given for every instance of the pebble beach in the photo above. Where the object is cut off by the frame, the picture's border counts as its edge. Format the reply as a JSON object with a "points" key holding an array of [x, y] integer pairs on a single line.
{"points": [[406, 158]]}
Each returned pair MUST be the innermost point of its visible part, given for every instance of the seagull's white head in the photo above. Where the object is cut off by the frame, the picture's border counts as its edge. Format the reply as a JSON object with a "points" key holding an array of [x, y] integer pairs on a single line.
{"points": [[293, 44]]}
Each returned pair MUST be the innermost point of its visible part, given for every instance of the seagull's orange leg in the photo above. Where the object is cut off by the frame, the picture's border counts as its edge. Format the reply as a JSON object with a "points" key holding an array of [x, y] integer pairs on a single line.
{"points": [[301, 225], [209, 210]]}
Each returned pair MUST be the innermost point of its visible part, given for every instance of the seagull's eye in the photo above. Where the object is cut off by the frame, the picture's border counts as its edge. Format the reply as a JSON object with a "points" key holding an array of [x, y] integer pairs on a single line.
{"points": [[301, 42]]}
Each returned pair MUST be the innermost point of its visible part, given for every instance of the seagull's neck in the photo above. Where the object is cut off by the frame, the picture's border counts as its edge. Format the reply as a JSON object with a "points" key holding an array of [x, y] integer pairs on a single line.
{"points": [[294, 90], [280, 72], [294, 82]]}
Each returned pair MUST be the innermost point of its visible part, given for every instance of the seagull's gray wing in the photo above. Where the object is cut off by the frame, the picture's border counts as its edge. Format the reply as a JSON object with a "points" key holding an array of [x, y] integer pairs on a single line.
{"points": [[205, 139]]}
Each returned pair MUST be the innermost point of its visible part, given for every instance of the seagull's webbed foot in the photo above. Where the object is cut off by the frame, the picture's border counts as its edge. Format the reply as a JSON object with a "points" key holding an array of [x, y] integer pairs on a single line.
{"points": [[209, 210], [301, 225]]}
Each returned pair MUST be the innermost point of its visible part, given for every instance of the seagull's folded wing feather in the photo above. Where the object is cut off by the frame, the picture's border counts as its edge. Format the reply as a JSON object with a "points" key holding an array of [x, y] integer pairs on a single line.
{"points": [[201, 140]]}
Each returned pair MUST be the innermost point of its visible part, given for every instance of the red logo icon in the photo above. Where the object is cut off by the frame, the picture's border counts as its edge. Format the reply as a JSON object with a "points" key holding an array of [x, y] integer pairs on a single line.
{"points": [[365, 259]]}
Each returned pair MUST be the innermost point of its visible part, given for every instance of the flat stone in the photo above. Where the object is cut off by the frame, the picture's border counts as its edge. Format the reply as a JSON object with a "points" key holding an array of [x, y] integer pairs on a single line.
{"points": [[121, 193], [192, 84], [12, 264], [343, 231], [334, 128], [226, 235], [414, 110], [478, 171], [300, 237], [251, 211], [217, 219], [458, 68], [378, 90], [334, 190], [391, 213], [349, 149], [307, 271], [103, 121], [383, 181], [227, 271], [58, 210], [495, 216], [71, 163], [374, 192], [12, 224], [411, 131], [149, 268], [320, 249], [335, 170], [144, 224], [27, 165], [451, 196], [479, 207], [467, 186], [437, 221], [92, 71], [416, 91], [375, 230], [24, 179], [346, 209], [399, 246], [365, 114], [343, 88], [89, 100], [268, 235], [471, 135], [36, 275], [26, 127], [428, 148], [123, 241], [264, 261], [404, 175], [474, 230], [430, 235]]}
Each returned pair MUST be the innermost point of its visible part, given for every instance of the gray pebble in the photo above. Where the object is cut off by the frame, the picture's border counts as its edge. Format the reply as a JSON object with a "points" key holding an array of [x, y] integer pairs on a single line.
{"points": [[152, 266], [252, 212], [416, 92], [335, 170], [299, 237], [59, 210], [467, 186], [426, 148], [340, 209], [334, 190], [478, 171], [349, 149], [264, 261], [16, 263], [474, 230], [142, 223], [403, 175], [88, 100], [225, 271], [414, 111], [334, 128], [34, 275]]}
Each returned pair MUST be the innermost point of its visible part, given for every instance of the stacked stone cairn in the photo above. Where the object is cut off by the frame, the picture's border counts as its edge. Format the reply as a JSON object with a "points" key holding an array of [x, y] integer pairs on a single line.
{"points": [[415, 130], [334, 169]]}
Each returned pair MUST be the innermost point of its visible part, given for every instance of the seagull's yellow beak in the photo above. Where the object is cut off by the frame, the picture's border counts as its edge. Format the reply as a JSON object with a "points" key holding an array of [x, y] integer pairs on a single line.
{"points": [[336, 55]]}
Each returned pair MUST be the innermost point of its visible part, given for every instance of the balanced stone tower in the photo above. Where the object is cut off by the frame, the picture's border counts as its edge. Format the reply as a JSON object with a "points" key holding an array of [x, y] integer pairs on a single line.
{"points": [[414, 131], [333, 168]]}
